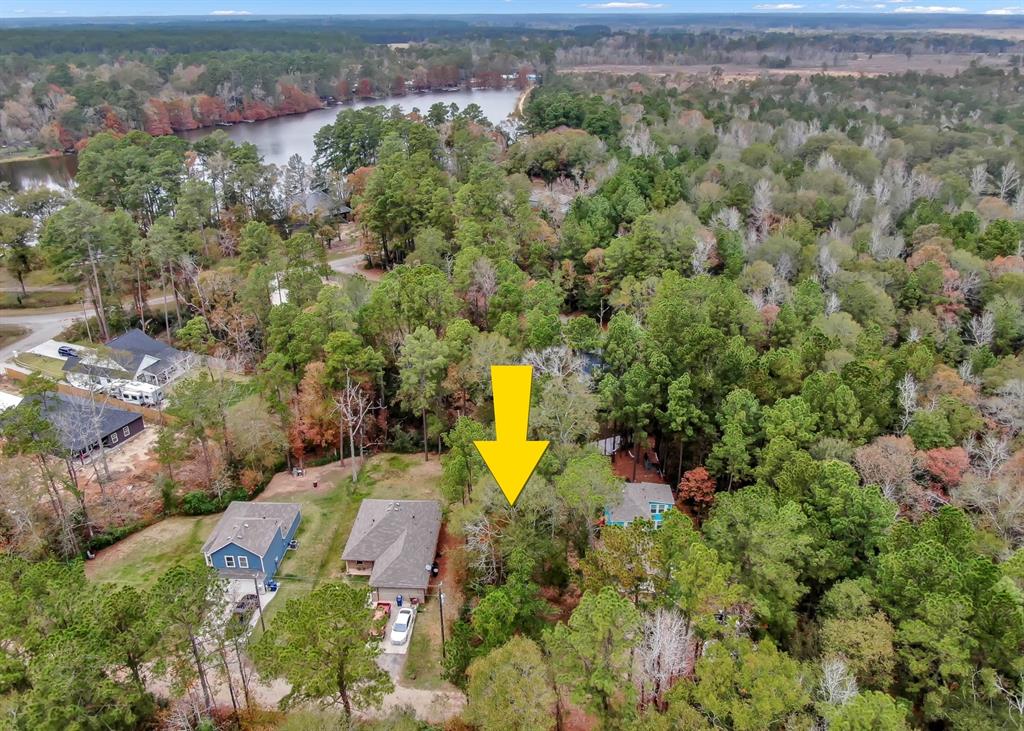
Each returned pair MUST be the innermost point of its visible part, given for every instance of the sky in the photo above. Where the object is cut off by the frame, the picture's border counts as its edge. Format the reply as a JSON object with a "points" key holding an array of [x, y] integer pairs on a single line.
{"points": [[99, 8]]}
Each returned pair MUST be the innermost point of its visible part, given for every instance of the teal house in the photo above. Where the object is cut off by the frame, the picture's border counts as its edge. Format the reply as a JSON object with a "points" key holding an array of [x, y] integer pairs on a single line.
{"points": [[647, 500]]}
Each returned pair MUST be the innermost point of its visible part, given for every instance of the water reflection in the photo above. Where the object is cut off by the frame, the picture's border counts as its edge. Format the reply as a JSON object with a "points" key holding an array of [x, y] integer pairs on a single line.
{"points": [[277, 139]]}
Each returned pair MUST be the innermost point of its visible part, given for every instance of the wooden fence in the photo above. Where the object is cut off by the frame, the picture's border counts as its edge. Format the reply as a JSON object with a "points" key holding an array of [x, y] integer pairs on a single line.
{"points": [[151, 415]]}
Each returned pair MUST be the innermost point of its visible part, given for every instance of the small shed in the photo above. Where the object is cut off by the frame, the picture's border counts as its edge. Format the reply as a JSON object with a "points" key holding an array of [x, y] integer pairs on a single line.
{"points": [[251, 539]]}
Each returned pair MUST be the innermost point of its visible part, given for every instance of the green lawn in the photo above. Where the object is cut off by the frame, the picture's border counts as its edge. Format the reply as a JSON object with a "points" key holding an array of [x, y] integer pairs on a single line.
{"points": [[38, 298], [423, 666], [141, 558], [49, 367], [327, 517]]}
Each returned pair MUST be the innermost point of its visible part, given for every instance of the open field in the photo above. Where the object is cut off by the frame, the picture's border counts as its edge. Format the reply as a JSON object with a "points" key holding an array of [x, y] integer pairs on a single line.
{"points": [[10, 334], [877, 65], [38, 298]]}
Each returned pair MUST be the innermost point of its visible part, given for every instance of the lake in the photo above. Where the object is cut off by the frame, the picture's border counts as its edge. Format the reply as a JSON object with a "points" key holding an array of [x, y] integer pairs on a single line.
{"points": [[277, 139]]}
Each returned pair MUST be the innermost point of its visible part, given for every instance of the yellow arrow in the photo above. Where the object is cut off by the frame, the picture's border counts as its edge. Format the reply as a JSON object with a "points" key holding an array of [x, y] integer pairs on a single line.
{"points": [[510, 457]]}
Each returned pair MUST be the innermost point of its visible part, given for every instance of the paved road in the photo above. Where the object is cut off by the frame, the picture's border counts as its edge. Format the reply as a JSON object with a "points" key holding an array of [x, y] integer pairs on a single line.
{"points": [[46, 324], [43, 325]]}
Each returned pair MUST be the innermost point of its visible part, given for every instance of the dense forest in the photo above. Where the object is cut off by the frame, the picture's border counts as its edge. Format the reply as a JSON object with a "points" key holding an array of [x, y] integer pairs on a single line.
{"points": [[802, 297], [60, 85]]}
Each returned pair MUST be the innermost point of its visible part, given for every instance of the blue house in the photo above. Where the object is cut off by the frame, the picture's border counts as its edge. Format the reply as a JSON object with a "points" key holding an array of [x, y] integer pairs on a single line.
{"points": [[251, 539], [646, 500]]}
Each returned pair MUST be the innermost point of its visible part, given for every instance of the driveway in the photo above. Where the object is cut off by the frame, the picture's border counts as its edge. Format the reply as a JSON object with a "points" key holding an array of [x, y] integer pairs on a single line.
{"points": [[237, 588], [392, 664], [385, 644], [355, 265]]}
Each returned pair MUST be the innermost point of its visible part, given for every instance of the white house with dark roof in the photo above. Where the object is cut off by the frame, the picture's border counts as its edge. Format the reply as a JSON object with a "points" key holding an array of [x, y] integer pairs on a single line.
{"points": [[251, 539], [647, 500], [132, 367], [393, 542]]}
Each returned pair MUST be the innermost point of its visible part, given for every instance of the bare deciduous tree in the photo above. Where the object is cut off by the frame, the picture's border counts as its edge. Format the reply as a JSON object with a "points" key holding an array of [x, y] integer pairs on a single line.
{"points": [[999, 504], [827, 264], [761, 208], [663, 655], [979, 180], [728, 218], [1009, 180], [701, 253], [857, 200], [888, 462], [832, 304], [353, 404], [1006, 407], [906, 396], [982, 328], [990, 453], [837, 686], [480, 545]]}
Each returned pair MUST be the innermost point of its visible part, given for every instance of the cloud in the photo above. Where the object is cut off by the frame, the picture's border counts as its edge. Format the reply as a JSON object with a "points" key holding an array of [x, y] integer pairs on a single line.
{"points": [[778, 6], [622, 6], [930, 9], [1006, 11], [230, 12]]}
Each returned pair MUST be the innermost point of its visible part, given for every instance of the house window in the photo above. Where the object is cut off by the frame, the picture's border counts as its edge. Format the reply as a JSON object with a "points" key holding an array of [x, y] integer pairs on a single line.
{"points": [[113, 437], [657, 509], [127, 431], [243, 562], [209, 560], [229, 562]]}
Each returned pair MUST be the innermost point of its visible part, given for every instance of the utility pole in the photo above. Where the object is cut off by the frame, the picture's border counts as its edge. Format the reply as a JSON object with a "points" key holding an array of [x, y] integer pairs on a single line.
{"points": [[259, 604], [440, 596]]}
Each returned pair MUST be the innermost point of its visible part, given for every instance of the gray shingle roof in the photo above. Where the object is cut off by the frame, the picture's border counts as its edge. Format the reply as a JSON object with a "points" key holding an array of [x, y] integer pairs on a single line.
{"points": [[127, 352], [636, 501], [251, 526], [400, 537], [64, 412]]}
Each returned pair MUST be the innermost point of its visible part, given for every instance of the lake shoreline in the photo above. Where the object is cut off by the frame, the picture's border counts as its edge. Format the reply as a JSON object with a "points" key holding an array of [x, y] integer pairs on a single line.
{"points": [[277, 137], [31, 157]]}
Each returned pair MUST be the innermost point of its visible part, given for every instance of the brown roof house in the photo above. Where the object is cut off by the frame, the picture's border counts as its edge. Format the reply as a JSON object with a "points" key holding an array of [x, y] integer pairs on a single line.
{"points": [[394, 543]]}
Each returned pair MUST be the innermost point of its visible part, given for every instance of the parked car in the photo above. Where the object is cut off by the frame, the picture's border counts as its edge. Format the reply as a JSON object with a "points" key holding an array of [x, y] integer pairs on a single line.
{"points": [[65, 351], [271, 585], [245, 606], [293, 544], [402, 627]]}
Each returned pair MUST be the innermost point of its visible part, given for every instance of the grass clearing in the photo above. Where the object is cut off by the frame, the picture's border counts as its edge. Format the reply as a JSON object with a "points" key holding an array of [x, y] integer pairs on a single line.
{"points": [[140, 559], [423, 665], [327, 516], [38, 298], [49, 367], [10, 333]]}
